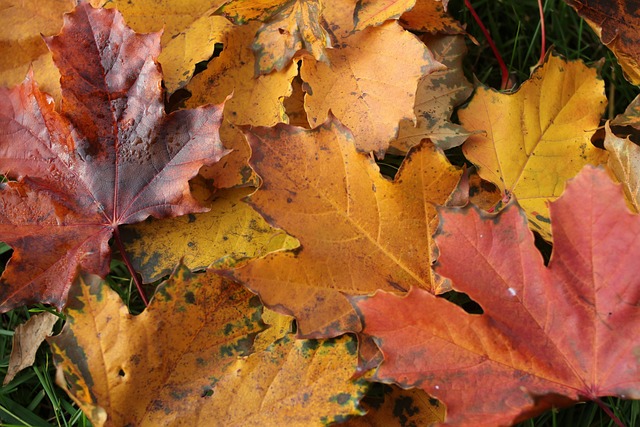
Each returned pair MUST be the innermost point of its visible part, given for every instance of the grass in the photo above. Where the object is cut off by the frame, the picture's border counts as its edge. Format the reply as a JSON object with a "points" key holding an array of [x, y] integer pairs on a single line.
{"points": [[32, 398]]}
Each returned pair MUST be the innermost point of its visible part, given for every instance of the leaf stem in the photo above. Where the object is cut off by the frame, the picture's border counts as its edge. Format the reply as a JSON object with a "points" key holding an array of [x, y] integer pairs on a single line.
{"points": [[543, 47], [503, 67], [610, 413], [127, 261]]}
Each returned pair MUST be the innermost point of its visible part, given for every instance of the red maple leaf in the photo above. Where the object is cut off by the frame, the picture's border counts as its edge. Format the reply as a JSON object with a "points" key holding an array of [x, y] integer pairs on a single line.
{"points": [[548, 336], [111, 157]]}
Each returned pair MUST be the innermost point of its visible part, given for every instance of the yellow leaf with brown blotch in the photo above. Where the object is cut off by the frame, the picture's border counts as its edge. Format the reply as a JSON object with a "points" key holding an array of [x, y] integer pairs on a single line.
{"points": [[292, 382], [22, 24], [256, 101], [156, 368], [188, 360], [288, 26], [227, 236], [352, 223], [370, 85], [396, 407], [537, 138]]}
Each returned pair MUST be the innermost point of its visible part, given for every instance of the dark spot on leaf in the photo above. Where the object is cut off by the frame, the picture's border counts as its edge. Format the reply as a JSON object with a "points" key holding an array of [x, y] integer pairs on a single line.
{"points": [[342, 398], [190, 298]]}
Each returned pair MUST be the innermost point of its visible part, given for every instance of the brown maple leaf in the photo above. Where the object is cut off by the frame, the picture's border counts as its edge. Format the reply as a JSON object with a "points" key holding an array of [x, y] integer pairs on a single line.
{"points": [[548, 336], [110, 157]]}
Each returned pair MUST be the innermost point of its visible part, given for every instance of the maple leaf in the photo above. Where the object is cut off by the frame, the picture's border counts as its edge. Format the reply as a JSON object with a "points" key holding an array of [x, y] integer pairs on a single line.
{"points": [[189, 32], [431, 16], [228, 235], [351, 222], [111, 157], [375, 66], [375, 12], [256, 101], [399, 408], [123, 369], [22, 24], [547, 335], [624, 154], [288, 26], [535, 139], [26, 341], [178, 362], [616, 23], [437, 94]]}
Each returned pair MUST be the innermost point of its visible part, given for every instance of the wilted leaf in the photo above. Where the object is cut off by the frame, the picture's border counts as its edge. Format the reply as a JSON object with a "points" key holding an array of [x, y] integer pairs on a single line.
{"points": [[26, 341], [375, 12], [22, 25], [547, 335], [352, 223], [398, 407], [256, 101], [161, 367], [370, 85], [438, 93], [226, 236], [112, 157], [537, 138], [431, 16], [624, 161], [189, 32], [616, 23], [288, 26]]}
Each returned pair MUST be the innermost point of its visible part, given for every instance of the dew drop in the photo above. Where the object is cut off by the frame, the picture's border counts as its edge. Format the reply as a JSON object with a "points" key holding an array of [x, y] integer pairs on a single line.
{"points": [[512, 292]]}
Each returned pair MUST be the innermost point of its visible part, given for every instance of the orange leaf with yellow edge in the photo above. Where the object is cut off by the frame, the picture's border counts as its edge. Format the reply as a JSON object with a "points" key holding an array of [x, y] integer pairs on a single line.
{"points": [[547, 335], [535, 139], [22, 25], [616, 22], [358, 231], [288, 27], [256, 101], [158, 367], [189, 32], [375, 12], [230, 234], [370, 85]]}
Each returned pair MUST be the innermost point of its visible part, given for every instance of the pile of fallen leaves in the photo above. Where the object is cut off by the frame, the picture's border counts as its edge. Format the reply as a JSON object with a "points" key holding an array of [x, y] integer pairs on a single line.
{"points": [[297, 274]]}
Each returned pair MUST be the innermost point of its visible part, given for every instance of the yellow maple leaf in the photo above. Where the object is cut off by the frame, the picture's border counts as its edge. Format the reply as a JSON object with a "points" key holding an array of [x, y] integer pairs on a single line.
{"points": [[535, 139]]}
